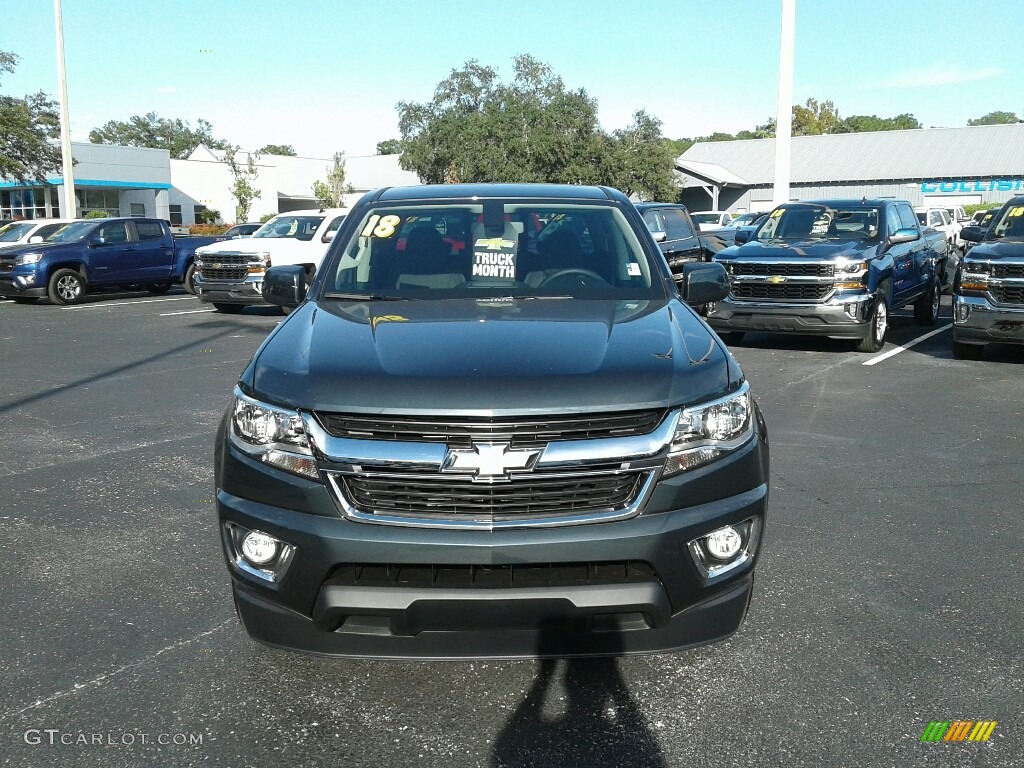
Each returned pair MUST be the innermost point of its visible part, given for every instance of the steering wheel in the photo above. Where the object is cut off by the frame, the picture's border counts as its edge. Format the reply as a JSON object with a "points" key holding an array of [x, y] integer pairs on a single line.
{"points": [[585, 276]]}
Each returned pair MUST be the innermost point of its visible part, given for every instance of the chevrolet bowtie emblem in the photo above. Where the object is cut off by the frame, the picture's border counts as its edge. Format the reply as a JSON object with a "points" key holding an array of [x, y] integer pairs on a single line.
{"points": [[489, 461], [776, 279]]}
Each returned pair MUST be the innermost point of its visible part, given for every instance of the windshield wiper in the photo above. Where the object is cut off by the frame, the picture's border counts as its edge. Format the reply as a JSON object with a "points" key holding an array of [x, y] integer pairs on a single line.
{"points": [[361, 296]]}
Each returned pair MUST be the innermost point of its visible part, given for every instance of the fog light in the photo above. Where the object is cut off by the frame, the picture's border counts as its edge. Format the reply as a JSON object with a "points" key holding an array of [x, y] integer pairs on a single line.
{"points": [[259, 548], [963, 311], [851, 310], [710, 308], [724, 543]]}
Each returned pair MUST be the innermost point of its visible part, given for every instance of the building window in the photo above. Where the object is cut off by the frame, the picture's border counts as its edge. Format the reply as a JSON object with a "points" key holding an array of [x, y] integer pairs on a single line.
{"points": [[175, 213], [105, 200], [138, 210], [22, 204]]}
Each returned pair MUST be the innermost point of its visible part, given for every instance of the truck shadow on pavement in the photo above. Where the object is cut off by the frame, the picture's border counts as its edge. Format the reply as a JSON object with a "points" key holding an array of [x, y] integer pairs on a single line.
{"points": [[596, 722]]}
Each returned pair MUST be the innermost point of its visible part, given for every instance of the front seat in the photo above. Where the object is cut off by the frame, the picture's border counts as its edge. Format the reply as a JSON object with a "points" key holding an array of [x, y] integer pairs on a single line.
{"points": [[426, 261]]}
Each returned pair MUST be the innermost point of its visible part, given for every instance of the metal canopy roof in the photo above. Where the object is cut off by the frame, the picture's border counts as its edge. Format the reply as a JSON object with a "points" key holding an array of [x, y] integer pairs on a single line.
{"points": [[924, 153]]}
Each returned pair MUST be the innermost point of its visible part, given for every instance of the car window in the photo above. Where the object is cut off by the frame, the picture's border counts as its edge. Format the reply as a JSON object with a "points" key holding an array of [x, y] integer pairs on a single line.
{"points": [[892, 220], [296, 227], [907, 217], [149, 230], [49, 229], [676, 225], [496, 249], [12, 233], [334, 225], [1010, 224], [113, 234], [820, 222], [654, 221]]}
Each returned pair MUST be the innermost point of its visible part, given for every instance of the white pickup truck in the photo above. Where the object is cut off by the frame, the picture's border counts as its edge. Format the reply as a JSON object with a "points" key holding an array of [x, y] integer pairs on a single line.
{"points": [[939, 218], [229, 274]]}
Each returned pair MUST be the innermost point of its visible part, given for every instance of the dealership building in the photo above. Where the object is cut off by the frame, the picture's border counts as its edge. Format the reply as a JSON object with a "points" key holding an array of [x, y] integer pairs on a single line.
{"points": [[927, 166], [133, 181]]}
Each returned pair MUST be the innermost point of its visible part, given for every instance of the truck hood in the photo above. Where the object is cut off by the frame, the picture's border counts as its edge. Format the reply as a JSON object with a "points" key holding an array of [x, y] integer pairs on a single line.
{"points": [[282, 250], [997, 249], [45, 248], [478, 357], [797, 249]]}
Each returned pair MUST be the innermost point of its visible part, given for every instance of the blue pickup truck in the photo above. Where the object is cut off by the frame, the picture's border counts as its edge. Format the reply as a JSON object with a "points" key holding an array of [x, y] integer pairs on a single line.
{"points": [[988, 293], [92, 255], [831, 268]]}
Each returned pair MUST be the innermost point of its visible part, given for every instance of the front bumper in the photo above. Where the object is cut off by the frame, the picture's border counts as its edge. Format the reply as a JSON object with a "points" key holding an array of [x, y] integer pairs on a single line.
{"points": [[315, 608], [976, 320], [248, 291], [841, 317], [17, 283]]}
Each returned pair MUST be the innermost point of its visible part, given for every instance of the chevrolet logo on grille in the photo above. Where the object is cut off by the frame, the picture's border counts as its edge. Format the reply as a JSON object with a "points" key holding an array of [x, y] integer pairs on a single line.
{"points": [[488, 462], [776, 279]]}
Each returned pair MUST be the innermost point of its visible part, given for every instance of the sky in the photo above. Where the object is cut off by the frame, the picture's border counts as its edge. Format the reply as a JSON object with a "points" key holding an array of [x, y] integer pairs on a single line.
{"points": [[325, 75]]}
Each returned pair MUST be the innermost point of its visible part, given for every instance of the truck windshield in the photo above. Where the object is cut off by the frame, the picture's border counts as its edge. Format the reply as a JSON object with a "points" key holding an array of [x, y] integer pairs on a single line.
{"points": [[820, 222], [503, 249], [1009, 225], [72, 232], [296, 227], [12, 233]]}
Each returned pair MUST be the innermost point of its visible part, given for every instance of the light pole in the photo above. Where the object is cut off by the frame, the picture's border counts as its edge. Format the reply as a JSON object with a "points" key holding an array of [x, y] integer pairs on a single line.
{"points": [[70, 203], [784, 119]]}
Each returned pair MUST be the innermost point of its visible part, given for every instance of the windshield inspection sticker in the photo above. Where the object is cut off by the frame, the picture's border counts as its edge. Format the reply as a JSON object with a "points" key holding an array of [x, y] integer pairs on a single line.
{"points": [[633, 269], [494, 257]]}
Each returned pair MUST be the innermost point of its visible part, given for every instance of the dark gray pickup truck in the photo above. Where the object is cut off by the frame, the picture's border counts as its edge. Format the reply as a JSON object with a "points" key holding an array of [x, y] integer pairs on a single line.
{"points": [[492, 428], [831, 268]]}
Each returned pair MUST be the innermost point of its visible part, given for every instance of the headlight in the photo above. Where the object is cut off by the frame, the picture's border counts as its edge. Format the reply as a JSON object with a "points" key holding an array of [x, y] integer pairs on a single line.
{"points": [[706, 432], [851, 267], [27, 258], [274, 435], [259, 262], [978, 267], [975, 276]]}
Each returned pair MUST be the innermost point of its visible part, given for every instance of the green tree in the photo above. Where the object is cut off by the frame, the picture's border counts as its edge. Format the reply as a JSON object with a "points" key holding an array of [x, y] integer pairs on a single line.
{"points": [[532, 129], [157, 132], [243, 188], [862, 123], [996, 118], [389, 147], [27, 128], [286, 150], [646, 161], [331, 192], [814, 117]]}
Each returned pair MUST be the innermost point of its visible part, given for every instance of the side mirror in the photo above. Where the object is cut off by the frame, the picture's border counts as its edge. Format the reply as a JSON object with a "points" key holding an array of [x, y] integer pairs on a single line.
{"points": [[905, 235], [328, 236], [35, 239], [973, 234], [743, 235], [97, 241], [703, 283], [659, 236], [285, 286]]}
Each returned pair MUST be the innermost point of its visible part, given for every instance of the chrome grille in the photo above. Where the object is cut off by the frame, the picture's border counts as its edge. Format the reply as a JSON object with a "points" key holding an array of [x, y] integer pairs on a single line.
{"points": [[782, 291], [1008, 270], [464, 432], [231, 267], [741, 268], [1008, 294], [436, 496]]}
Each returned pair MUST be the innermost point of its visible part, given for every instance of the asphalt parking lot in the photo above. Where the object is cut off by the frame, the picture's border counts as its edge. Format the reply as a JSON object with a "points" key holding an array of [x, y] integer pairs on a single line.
{"points": [[887, 593]]}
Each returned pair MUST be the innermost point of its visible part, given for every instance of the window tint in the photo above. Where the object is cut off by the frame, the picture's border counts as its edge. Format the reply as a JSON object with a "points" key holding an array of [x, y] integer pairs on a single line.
{"points": [[137, 209], [114, 233], [49, 229], [676, 225], [149, 230], [175, 213], [892, 220], [907, 217], [654, 221]]}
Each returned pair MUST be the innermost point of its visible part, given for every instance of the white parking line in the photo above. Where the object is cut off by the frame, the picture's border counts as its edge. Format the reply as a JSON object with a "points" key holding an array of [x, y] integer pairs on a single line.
{"points": [[99, 305], [186, 312], [908, 345]]}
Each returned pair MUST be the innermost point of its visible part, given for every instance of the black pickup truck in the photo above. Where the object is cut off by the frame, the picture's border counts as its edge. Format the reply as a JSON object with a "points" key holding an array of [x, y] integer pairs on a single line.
{"points": [[831, 268], [520, 442], [988, 293], [680, 240]]}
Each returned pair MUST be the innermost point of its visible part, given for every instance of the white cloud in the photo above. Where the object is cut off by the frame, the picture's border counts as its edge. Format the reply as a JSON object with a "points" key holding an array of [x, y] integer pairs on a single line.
{"points": [[939, 73], [167, 89]]}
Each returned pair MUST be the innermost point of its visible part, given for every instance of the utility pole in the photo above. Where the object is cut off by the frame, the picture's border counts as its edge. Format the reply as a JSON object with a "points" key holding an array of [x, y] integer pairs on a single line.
{"points": [[784, 111], [70, 203]]}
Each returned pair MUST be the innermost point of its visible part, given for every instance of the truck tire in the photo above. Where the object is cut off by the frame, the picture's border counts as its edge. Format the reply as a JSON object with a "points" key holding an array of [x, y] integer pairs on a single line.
{"points": [[65, 287], [189, 280], [926, 308], [158, 289], [228, 309], [878, 325], [963, 351]]}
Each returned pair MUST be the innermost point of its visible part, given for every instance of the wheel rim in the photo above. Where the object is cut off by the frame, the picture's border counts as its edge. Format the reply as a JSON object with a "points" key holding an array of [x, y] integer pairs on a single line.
{"points": [[936, 300], [68, 288], [881, 320]]}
